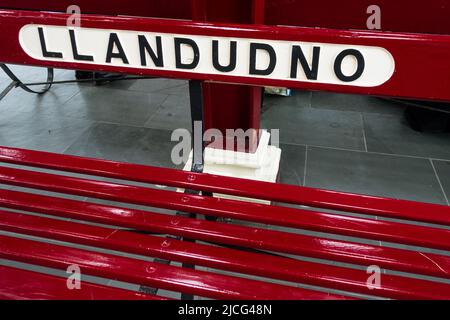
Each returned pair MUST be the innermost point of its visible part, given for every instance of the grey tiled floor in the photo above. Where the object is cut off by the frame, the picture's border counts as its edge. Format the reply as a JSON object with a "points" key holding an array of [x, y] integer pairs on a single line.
{"points": [[383, 175], [311, 126], [388, 134], [331, 141], [358, 144], [443, 172]]}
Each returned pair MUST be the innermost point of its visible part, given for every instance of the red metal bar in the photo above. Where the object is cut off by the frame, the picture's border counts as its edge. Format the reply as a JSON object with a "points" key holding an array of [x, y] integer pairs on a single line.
{"points": [[274, 215], [152, 274], [17, 284], [228, 106], [209, 256], [401, 209], [259, 11], [173, 9], [262, 239], [398, 16], [416, 75]]}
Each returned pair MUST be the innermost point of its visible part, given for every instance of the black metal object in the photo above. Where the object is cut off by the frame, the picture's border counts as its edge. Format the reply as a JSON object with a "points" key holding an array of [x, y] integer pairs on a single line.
{"points": [[92, 79], [8, 89], [436, 106], [426, 116], [427, 120], [18, 83], [97, 77], [196, 103], [197, 122]]}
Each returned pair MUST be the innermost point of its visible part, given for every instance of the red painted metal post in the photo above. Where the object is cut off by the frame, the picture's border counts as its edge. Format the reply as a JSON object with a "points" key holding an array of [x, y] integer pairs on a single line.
{"points": [[229, 106]]}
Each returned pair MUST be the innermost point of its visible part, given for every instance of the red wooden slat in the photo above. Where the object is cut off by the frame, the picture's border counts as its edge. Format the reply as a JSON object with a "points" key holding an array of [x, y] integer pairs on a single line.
{"points": [[17, 284], [401, 209], [226, 259], [151, 274], [403, 260], [274, 215]]}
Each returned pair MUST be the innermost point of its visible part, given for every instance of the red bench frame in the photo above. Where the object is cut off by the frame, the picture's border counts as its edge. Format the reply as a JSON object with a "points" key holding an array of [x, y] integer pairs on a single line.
{"points": [[253, 251], [416, 74]]}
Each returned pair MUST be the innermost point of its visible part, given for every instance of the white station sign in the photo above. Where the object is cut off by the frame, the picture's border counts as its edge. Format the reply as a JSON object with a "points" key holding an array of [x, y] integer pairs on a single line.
{"points": [[352, 65]]}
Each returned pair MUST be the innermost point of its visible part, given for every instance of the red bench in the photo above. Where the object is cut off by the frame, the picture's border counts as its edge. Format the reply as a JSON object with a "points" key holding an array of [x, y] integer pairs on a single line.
{"points": [[242, 250], [285, 248]]}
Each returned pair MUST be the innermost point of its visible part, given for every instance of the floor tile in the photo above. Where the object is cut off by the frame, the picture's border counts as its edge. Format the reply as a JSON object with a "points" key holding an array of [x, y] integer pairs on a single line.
{"points": [[157, 85], [64, 75], [372, 174], [44, 193], [50, 103], [164, 86], [26, 73], [124, 285], [124, 143], [388, 134], [173, 114], [308, 126], [443, 171], [325, 235], [413, 248], [33, 74], [115, 106], [292, 165], [357, 103], [132, 206], [169, 294], [54, 272], [180, 89], [41, 132], [298, 99]]}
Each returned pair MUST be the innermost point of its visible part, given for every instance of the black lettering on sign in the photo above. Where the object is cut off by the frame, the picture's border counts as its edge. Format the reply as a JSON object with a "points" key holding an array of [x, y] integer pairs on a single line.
{"points": [[114, 42], [233, 57], [298, 55], [178, 60], [76, 55], [144, 47], [361, 65], [254, 48], [45, 52]]}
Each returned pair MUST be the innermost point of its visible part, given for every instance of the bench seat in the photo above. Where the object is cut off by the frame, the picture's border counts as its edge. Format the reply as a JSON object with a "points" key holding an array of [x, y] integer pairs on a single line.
{"points": [[126, 222]]}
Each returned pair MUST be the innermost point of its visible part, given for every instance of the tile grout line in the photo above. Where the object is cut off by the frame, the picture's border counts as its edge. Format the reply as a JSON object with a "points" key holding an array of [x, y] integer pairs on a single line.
{"points": [[159, 108], [306, 164], [369, 152], [61, 105], [364, 132], [138, 91], [439, 181], [310, 99], [69, 117], [88, 129], [71, 97]]}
